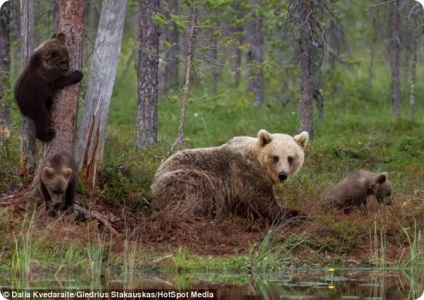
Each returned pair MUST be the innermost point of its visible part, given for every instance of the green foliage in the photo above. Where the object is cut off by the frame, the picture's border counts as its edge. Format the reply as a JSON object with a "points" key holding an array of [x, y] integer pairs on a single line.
{"points": [[160, 19]]}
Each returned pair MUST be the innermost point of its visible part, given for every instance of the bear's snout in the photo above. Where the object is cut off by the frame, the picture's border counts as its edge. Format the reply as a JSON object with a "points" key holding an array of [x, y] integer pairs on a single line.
{"points": [[388, 201], [282, 176]]}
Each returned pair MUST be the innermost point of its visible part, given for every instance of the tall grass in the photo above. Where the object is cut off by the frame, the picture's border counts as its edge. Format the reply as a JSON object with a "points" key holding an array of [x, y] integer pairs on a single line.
{"points": [[23, 253], [378, 245], [415, 258], [276, 252]]}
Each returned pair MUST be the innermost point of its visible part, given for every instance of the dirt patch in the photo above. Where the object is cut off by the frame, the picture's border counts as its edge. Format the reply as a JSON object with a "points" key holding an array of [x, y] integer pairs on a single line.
{"points": [[356, 238]]}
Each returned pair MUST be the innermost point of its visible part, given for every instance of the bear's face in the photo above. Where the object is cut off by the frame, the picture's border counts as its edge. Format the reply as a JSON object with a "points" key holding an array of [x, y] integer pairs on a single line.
{"points": [[56, 181], [384, 189], [280, 154], [55, 53]]}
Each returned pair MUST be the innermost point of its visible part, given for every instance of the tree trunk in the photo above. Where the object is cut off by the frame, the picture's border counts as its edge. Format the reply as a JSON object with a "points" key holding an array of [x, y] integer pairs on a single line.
{"points": [[413, 80], [214, 69], [4, 64], [306, 69], [65, 102], [172, 53], [395, 57], [27, 161], [255, 55], [372, 49], [147, 75], [189, 62], [92, 131]]}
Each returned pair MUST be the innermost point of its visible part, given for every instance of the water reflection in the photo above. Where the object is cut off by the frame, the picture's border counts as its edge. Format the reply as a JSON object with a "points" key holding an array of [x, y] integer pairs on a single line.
{"points": [[290, 284]]}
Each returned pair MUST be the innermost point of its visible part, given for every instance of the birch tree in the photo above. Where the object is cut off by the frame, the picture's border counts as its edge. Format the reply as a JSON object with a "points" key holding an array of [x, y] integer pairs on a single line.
{"points": [[27, 161], [92, 133], [147, 74], [65, 101]]}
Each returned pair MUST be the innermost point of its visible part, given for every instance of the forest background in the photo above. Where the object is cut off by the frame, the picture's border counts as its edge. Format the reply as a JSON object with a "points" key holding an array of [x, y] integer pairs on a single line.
{"points": [[195, 74]]}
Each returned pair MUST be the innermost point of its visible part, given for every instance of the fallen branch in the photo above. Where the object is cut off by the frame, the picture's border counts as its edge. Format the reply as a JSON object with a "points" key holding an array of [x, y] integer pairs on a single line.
{"points": [[97, 216]]}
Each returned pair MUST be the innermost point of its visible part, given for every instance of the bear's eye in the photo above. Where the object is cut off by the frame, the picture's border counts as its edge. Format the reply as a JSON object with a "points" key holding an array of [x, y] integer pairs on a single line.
{"points": [[275, 159], [388, 194], [290, 159]]}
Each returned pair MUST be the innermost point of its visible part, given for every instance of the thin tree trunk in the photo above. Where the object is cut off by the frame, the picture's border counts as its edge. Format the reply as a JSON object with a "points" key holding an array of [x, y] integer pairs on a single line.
{"points": [[147, 75], [189, 61], [413, 80], [172, 53], [214, 70], [306, 69], [92, 131], [395, 57], [27, 161], [65, 102], [372, 49], [4, 64], [255, 56]]}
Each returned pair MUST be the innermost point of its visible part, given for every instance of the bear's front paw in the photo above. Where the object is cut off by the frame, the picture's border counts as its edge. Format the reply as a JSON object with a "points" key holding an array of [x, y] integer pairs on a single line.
{"points": [[47, 136], [76, 76]]}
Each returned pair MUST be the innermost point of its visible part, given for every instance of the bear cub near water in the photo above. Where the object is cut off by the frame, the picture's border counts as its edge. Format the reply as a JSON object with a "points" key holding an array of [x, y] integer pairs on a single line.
{"points": [[355, 189], [46, 72], [58, 180], [236, 178]]}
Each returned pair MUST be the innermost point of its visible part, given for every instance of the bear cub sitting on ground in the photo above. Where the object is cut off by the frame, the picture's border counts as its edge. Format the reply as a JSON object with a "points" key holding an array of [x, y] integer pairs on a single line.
{"points": [[46, 72], [58, 180], [236, 178], [355, 189]]}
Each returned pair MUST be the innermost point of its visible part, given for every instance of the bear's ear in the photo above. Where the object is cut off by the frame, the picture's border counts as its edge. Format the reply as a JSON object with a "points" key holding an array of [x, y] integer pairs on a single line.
{"points": [[48, 172], [59, 36], [264, 137], [382, 177], [302, 139], [67, 172]]}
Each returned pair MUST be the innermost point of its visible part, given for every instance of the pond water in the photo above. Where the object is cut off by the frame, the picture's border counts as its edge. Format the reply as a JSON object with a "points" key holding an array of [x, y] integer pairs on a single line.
{"points": [[289, 284]]}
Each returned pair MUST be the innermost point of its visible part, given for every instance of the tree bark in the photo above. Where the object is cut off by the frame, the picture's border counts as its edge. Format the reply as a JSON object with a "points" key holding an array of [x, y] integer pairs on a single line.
{"points": [[27, 160], [413, 81], [306, 68], [65, 102], [395, 57], [92, 131], [4, 64], [372, 49], [147, 75], [255, 55], [186, 86]]}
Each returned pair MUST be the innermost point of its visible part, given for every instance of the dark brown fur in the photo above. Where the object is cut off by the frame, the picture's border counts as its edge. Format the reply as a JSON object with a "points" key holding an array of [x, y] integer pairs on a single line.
{"points": [[46, 72], [236, 178], [355, 189], [58, 180]]}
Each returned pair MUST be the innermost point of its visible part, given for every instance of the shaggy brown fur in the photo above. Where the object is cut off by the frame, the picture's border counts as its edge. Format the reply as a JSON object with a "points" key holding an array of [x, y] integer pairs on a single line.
{"points": [[46, 72], [58, 180], [235, 178], [356, 187]]}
